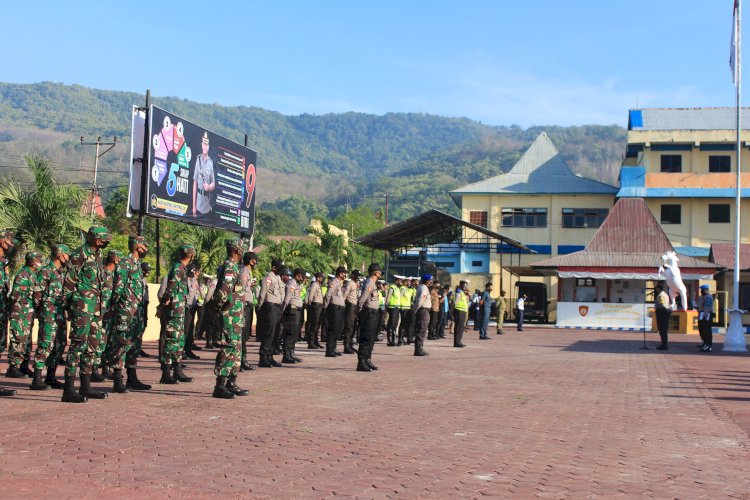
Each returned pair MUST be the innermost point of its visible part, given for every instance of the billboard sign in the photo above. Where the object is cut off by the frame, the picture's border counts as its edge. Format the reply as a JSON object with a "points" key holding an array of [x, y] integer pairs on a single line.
{"points": [[196, 176]]}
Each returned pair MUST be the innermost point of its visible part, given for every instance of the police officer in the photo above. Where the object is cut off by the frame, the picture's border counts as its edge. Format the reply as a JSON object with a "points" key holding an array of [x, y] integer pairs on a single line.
{"points": [[368, 307], [404, 307], [460, 312], [421, 310], [334, 307], [351, 295], [228, 297], [249, 261], [291, 307], [314, 301], [269, 301]]}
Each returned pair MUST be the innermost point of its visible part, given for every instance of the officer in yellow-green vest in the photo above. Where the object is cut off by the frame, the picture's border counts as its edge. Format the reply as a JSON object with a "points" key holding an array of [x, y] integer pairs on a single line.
{"points": [[404, 304], [381, 305], [460, 311], [393, 305]]}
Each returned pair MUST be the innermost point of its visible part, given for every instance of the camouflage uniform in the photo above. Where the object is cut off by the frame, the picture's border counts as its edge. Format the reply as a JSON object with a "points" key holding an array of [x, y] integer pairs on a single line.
{"points": [[4, 289], [127, 311], [53, 329], [102, 330], [174, 300], [228, 297], [83, 287], [21, 316]]}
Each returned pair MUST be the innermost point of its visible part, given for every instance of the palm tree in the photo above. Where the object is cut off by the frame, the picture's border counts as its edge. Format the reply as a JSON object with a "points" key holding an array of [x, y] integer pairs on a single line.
{"points": [[331, 244], [48, 213], [210, 249]]}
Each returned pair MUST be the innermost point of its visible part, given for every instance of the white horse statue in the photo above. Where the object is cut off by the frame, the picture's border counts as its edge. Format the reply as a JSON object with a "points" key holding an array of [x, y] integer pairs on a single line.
{"points": [[672, 274]]}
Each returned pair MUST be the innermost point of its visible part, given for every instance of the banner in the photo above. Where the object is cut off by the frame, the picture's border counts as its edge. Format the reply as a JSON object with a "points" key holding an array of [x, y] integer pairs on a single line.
{"points": [[603, 315], [138, 130], [197, 176]]}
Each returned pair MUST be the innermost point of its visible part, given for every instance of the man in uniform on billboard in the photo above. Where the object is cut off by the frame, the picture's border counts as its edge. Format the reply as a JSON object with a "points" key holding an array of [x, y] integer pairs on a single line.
{"points": [[203, 181]]}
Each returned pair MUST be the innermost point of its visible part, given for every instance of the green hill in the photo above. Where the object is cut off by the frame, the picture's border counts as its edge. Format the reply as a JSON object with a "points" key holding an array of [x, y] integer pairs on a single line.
{"points": [[334, 160]]}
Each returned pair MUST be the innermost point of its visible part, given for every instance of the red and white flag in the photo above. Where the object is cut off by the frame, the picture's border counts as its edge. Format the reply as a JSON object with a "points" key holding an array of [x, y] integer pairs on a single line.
{"points": [[734, 46]]}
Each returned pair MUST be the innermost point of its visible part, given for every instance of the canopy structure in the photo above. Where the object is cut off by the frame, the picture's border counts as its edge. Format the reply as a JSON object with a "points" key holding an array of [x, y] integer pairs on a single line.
{"points": [[418, 229]]}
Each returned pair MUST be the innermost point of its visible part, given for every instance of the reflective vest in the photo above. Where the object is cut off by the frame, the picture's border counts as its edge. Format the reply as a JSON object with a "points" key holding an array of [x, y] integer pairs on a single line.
{"points": [[303, 293], [405, 300], [462, 302], [381, 299], [395, 299]]}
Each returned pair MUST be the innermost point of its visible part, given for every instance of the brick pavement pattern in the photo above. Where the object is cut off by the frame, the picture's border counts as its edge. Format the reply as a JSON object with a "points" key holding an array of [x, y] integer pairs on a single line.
{"points": [[541, 413]]}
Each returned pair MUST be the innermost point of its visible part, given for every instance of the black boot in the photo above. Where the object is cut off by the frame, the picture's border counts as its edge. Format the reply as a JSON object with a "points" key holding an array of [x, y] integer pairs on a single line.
{"points": [[220, 389], [106, 373], [264, 362], [14, 372], [70, 395], [51, 380], [190, 355], [273, 361], [38, 384], [362, 365], [368, 361], [179, 374], [234, 388], [288, 358], [295, 358], [143, 354], [87, 391], [166, 375], [330, 354], [134, 383], [25, 369], [96, 376], [418, 351], [119, 386], [349, 349], [245, 365], [317, 345], [4, 393]]}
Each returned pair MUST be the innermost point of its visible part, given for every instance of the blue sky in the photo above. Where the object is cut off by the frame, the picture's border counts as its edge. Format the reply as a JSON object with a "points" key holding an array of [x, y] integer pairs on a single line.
{"points": [[500, 62]]}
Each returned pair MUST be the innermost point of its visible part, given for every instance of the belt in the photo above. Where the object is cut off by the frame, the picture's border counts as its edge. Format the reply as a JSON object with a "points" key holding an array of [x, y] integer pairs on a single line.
{"points": [[293, 308]]}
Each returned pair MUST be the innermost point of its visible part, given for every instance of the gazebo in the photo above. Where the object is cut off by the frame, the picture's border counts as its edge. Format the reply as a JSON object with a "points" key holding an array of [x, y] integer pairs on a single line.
{"points": [[609, 284]]}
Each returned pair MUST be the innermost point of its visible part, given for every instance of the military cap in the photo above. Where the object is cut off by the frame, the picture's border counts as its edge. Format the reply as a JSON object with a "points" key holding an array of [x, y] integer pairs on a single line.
{"points": [[373, 268], [145, 267], [426, 277], [136, 240], [341, 269], [185, 250], [299, 270], [233, 244], [60, 249], [99, 232], [33, 255], [285, 271], [112, 254]]}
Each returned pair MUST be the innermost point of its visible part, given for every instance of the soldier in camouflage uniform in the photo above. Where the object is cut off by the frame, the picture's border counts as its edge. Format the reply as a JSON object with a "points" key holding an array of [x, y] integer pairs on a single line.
{"points": [[126, 314], [139, 326], [173, 302], [53, 329], [6, 247], [228, 297], [22, 316], [102, 329], [83, 297]]}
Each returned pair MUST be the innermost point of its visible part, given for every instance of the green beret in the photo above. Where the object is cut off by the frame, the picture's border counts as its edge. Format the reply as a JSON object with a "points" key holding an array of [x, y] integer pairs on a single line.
{"points": [[99, 232], [60, 249], [136, 240], [33, 255], [234, 244]]}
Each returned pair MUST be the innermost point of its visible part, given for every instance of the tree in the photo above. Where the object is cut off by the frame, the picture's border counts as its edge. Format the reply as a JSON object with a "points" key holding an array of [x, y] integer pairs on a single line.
{"points": [[46, 213]]}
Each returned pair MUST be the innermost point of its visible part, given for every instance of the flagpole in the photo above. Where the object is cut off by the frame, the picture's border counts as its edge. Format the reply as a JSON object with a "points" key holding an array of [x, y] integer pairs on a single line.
{"points": [[735, 338]]}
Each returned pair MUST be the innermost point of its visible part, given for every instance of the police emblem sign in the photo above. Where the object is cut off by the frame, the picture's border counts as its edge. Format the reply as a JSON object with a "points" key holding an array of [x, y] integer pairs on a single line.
{"points": [[197, 176]]}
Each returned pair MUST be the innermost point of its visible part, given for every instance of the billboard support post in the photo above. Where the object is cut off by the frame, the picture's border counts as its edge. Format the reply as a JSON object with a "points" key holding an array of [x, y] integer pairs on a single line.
{"points": [[144, 168]]}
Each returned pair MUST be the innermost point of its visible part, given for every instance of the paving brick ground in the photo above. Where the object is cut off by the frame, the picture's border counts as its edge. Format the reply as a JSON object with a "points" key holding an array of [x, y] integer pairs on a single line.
{"points": [[543, 413]]}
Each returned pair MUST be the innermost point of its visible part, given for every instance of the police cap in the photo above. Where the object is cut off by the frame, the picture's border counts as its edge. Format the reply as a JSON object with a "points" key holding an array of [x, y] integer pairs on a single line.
{"points": [[374, 267], [341, 269], [285, 271]]}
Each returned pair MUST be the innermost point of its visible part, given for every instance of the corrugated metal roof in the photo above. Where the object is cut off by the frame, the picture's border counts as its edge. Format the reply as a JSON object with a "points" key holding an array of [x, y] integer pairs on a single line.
{"points": [[723, 254], [687, 119], [540, 170], [629, 237]]}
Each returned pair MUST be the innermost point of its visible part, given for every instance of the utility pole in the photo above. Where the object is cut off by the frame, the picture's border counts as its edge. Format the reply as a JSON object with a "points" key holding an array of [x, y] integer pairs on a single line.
{"points": [[387, 196], [98, 144]]}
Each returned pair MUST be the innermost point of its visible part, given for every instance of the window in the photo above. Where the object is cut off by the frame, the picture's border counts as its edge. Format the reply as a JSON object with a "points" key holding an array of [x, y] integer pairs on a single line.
{"points": [[671, 163], [671, 214], [719, 163], [744, 296], [524, 217], [476, 263], [478, 217], [583, 217], [443, 265], [718, 213]]}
